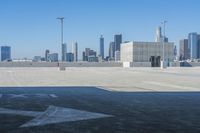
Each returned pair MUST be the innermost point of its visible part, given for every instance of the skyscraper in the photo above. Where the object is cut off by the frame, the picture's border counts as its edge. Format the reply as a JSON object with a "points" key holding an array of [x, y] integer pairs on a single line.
{"points": [[193, 45], [117, 55], [198, 48], [75, 51], [84, 56], [46, 55], [69, 57], [5, 53], [64, 51], [118, 41], [101, 51], [158, 34], [112, 51], [184, 49]]}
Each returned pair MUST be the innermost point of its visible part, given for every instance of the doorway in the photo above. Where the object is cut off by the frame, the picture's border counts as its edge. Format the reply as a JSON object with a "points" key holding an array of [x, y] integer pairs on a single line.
{"points": [[155, 61]]}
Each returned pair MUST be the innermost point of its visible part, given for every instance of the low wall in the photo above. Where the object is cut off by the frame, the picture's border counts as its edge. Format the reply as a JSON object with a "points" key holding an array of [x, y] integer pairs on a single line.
{"points": [[175, 64], [62, 64], [28, 64], [184, 64], [91, 64], [136, 64], [190, 64]]}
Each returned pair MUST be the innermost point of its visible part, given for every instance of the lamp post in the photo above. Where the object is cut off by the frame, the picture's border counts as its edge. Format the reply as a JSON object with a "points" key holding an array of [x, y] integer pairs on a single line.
{"points": [[61, 19], [163, 65]]}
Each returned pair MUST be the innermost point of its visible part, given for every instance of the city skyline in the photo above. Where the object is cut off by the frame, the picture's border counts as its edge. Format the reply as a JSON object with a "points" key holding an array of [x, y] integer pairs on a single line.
{"points": [[30, 30]]}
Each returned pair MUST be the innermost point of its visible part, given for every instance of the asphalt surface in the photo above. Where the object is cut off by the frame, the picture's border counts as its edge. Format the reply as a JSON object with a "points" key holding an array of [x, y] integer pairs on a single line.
{"points": [[132, 112]]}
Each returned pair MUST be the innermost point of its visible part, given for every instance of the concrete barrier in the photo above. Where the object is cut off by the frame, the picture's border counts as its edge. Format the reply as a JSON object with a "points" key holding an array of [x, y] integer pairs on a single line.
{"points": [[136, 64], [175, 64], [29, 64], [190, 64], [60, 64]]}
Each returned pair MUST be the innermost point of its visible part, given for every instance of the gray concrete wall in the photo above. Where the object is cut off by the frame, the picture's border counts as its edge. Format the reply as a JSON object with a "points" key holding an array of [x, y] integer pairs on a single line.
{"points": [[174, 64], [141, 64], [184, 64], [190, 64], [142, 51], [28, 64], [92, 64], [63, 64]]}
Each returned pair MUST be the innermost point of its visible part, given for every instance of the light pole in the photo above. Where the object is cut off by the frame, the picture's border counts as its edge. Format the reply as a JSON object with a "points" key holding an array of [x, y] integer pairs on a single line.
{"points": [[61, 20], [163, 65]]}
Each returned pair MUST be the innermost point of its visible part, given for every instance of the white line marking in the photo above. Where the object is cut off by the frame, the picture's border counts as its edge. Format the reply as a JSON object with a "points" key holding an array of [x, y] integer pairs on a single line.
{"points": [[53, 95], [170, 85]]}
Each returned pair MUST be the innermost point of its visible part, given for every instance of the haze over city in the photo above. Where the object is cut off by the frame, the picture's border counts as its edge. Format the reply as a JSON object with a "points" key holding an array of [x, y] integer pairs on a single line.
{"points": [[30, 27]]}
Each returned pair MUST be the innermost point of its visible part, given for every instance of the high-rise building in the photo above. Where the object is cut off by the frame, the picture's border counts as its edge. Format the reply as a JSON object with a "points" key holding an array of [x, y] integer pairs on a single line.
{"points": [[87, 51], [117, 55], [193, 45], [69, 57], [5, 53], [158, 34], [75, 51], [198, 48], [184, 49], [64, 51], [84, 56], [175, 53], [46, 54], [89, 55], [112, 51], [101, 51], [53, 57], [118, 41]]}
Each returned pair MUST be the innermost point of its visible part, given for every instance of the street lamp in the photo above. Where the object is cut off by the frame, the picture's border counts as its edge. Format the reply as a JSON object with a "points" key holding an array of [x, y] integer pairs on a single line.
{"points": [[163, 65], [61, 20]]}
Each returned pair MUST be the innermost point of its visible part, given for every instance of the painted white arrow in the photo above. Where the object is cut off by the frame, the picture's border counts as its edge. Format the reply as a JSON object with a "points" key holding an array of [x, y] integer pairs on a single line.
{"points": [[54, 115]]}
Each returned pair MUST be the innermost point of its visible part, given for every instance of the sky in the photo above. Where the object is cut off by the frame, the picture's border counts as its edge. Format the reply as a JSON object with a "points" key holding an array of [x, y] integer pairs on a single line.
{"points": [[30, 26]]}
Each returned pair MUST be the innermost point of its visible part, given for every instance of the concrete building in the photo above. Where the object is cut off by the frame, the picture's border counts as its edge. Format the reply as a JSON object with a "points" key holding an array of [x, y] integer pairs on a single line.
{"points": [[118, 41], [53, 57], [184, 49], [193, 45], [64, 51], [46, 55], [145, 52], [111, 51], [70, 57], [5, 53], [101, 47], [75, 51]]}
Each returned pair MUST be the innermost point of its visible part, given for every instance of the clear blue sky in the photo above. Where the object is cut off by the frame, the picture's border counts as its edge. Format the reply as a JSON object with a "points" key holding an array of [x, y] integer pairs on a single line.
{"points": [[30, 26]]}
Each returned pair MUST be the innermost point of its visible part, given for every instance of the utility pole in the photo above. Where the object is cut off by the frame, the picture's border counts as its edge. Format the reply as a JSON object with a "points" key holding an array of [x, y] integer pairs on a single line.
{"points": [[163, 64]]}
